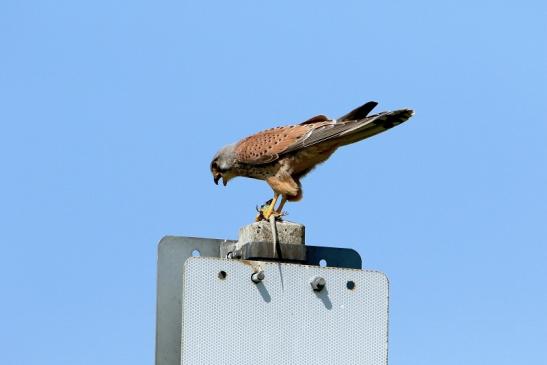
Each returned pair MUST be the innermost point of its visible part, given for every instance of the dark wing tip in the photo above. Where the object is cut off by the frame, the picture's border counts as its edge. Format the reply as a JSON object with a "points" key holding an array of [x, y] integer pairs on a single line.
{"points": [[359, 113]]}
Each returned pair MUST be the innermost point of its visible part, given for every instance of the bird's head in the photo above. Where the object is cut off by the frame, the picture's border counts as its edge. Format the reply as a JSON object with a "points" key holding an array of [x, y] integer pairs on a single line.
{"points": [[222, 165]]}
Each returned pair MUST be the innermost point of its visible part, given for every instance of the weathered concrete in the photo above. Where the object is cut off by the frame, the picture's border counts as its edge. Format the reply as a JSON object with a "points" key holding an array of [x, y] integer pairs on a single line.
{"points": [[287, 232]]}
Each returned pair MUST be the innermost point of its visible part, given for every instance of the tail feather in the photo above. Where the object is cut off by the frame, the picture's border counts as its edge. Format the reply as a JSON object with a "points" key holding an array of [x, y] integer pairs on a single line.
{"points": [[343, 132], [375, 124]]}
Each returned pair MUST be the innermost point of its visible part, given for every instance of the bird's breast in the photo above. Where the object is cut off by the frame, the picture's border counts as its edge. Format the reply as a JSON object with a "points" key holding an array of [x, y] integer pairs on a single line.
{"points": [[261, 172]]}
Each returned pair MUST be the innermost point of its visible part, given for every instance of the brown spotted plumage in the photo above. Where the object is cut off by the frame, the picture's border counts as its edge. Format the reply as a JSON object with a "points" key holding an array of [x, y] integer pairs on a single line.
{"points": [[283, 155]]}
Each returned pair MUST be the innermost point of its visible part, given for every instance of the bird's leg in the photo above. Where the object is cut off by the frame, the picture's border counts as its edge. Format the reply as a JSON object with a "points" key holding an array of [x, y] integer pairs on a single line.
{"points": [[266, 212], [269, 210], [279, 210]]}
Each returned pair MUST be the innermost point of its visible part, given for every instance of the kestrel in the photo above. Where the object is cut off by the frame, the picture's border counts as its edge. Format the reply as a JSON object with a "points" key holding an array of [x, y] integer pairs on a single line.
{"points": [[283, 155]]}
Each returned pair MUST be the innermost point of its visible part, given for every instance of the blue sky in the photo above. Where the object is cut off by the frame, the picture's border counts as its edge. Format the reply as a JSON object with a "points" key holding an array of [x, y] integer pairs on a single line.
{"points": [[110, 112]]}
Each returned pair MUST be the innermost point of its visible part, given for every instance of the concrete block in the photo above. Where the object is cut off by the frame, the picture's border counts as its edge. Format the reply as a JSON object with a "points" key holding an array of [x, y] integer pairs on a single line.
{"points": [[287, 232]]}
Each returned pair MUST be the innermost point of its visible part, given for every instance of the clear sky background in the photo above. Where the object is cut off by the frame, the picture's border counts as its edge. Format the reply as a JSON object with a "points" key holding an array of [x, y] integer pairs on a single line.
{"points": [[110, 113]]}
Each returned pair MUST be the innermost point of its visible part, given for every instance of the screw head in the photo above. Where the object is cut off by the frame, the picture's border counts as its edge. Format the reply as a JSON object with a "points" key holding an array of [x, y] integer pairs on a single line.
{"points": [[318, 283], [258, 276]]}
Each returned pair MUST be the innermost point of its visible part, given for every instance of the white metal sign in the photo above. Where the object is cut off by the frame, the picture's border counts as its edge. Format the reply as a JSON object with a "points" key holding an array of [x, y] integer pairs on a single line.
{"points": [[227, 318]]}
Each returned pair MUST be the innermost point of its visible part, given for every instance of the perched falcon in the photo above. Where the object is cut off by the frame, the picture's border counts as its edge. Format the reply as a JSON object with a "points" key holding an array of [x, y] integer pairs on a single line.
{"points": [[283, 155]]}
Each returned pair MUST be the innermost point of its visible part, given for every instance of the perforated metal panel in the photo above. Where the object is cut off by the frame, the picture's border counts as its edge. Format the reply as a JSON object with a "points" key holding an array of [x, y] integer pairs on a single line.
{"points": [[228, 319], [172, 253]]}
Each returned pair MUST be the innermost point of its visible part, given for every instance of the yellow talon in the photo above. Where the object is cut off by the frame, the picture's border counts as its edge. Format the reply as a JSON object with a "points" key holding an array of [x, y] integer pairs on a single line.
{"points": [[268, 210]]}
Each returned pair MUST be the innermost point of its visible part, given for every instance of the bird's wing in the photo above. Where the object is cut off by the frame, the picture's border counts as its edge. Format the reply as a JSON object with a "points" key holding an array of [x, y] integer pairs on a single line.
{"points": [[265, 147], [349, 131]]}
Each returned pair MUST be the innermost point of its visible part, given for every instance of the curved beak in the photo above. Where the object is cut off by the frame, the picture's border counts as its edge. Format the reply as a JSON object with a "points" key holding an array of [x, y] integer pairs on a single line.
{"points": [[216, 178]]}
